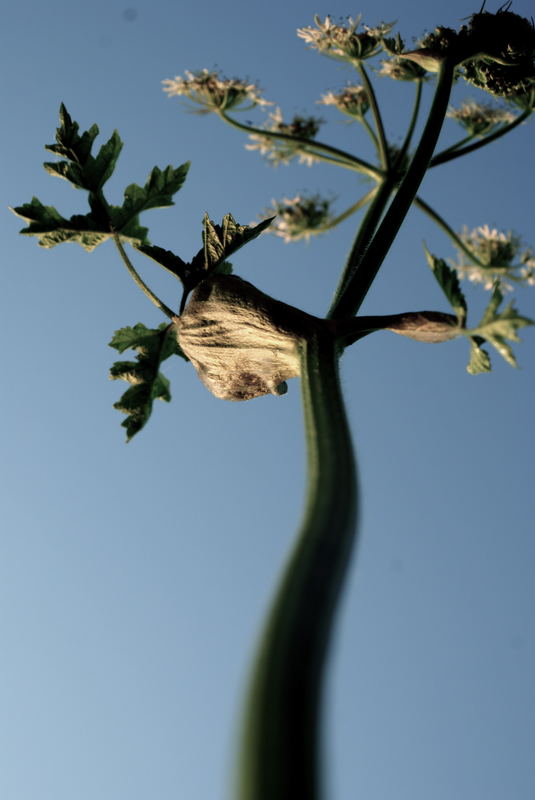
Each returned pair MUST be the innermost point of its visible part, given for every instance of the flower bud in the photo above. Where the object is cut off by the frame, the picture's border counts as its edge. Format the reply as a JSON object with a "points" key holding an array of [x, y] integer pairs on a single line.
{"points": [[242, 343], [425, 326]]}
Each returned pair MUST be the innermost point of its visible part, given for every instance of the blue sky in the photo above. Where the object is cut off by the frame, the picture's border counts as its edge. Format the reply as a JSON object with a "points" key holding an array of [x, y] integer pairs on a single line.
{"points": [[133, 579]]}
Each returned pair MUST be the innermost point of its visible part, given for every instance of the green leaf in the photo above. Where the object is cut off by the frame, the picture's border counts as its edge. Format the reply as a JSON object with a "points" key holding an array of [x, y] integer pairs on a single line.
{"points": [[220, 241], [147, 383], [69, 143], [449, 283], [479, 358], [81, 168], [158, 191], [51, 228], [167, 259], [498, 326]]}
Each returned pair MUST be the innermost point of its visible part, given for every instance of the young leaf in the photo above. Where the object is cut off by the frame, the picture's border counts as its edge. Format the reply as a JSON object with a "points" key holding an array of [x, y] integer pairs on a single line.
{"points": [[449, 283], [220, 241], [497, 326], [147, 383]]}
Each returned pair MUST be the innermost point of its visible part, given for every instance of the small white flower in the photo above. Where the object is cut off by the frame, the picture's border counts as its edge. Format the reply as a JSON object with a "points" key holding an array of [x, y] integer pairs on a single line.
{"points": [[497, 252], [212, 92], [282, 151], [300, 217], [342, 41], [478, 118], [353, 101]]}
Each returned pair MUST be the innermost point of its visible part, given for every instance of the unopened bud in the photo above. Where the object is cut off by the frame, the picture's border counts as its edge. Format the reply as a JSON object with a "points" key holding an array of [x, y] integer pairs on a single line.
{"points": [[242, 343], [425, 326]]}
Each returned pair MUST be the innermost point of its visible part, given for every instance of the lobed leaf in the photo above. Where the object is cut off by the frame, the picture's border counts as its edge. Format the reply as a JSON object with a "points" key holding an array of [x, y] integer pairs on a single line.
{"points": [[147, 382], [158, 190], [498, 326], [220, 241], [82, 169]]}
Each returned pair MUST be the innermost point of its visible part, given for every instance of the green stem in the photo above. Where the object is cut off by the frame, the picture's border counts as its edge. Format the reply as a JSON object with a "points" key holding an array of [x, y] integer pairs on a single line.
{"points": [[139, 281], [356, 163], [371, 133], [382, 143], [281, 739], [363, 238], [412, 124], [368, 263], [449, 154], [351, 210], [443, 225]]}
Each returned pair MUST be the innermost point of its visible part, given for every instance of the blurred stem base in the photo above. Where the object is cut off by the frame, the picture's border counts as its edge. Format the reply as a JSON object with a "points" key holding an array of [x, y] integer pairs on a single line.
{"points": [[280, 749]]}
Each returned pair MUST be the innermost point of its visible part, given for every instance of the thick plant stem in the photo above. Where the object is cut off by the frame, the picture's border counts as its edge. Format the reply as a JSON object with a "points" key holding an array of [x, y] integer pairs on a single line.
{"points": [[368, 263], [280, 757]]}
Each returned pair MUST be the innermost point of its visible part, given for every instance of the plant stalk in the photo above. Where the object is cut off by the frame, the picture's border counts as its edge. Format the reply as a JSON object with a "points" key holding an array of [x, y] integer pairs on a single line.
{"points": [[368, 262], [280, 758]]}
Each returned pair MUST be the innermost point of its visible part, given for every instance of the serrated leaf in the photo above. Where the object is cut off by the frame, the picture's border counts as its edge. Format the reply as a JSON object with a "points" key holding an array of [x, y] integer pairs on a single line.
{"points": [[81, 168], [51, 228], [497, 326], [479, 358], [449, 283], [220, 241], [147, 383], [69, 143], [158, 191]]}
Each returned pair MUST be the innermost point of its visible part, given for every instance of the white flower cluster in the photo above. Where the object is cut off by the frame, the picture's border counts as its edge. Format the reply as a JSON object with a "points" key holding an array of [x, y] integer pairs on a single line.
{"points": [[282, 151], [212, 92], [300, 217], [353, 101], [497, 251], [479, 119], [342, 41]]}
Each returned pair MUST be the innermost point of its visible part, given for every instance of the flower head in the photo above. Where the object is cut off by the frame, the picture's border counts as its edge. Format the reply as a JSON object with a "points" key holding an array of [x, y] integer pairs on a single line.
{"points": [[402, 69], [496, 253], [503, 49], [300, 217], [353, 101], [214, 93], [342, 41], [282, 151], [480, 119]]}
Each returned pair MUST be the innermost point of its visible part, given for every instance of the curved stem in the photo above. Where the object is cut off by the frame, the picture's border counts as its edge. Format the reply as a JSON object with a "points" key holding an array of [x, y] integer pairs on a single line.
{"points": [[365, 269], [449, 154], [281, 740], [381, 136], [139, 281], [458, 242], [357, 163]]}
